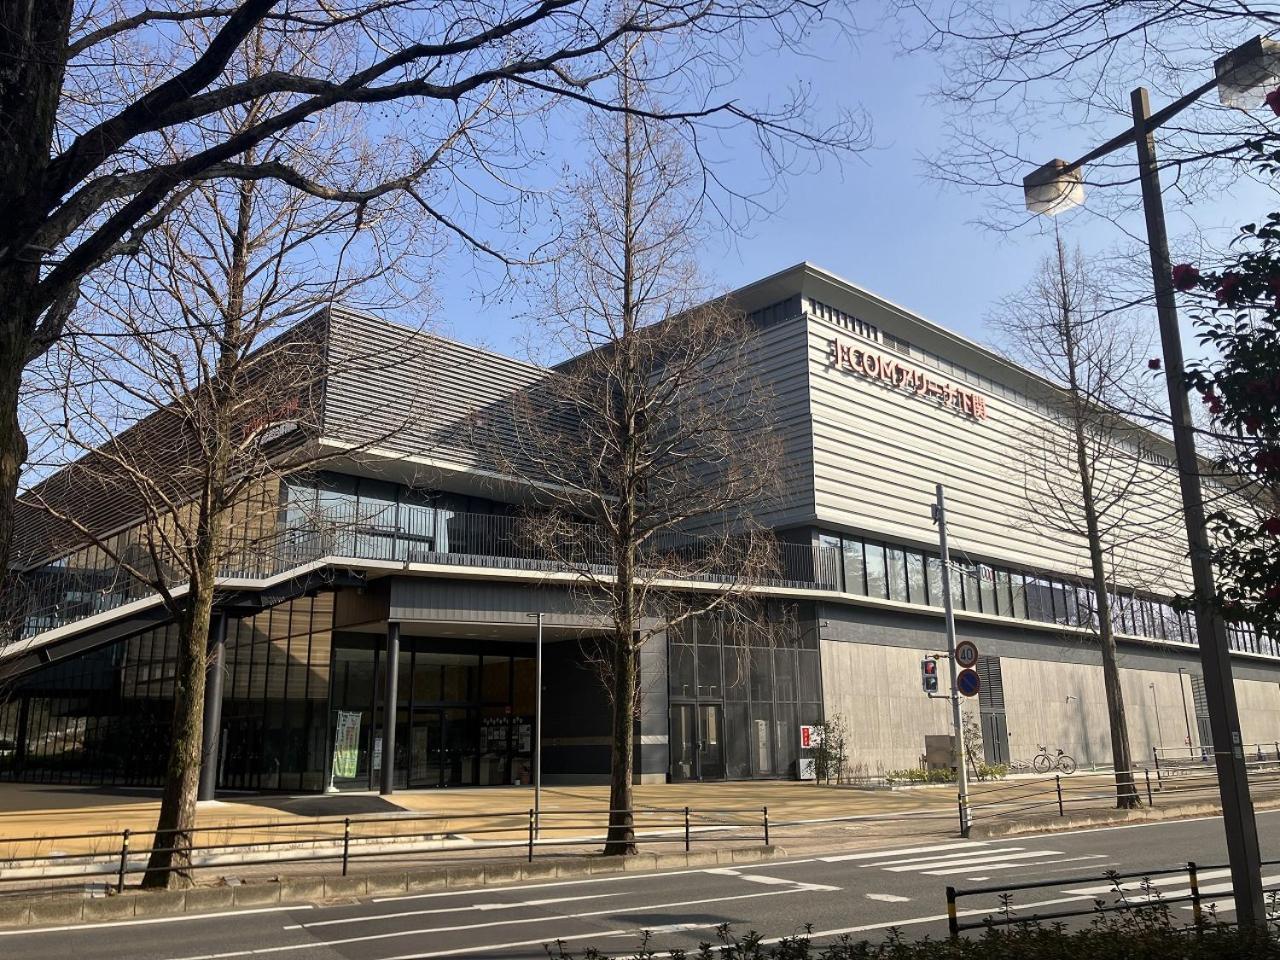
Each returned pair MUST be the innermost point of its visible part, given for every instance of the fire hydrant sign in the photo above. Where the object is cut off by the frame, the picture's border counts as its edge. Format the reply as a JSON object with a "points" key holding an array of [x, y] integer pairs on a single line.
{"points": [[809, 736]]}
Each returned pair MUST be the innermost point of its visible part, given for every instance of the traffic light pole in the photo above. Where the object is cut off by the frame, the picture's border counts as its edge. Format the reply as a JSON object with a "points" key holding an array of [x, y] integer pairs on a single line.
{"points": [[962, 776]]}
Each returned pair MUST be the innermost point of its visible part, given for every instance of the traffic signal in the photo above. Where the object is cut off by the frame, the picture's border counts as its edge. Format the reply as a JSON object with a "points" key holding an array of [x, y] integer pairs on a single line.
{"points": [[929, 675]]}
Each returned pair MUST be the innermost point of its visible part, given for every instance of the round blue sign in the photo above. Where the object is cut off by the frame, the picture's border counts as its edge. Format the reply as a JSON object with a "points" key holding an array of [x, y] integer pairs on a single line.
{"points": [[967, 683]]}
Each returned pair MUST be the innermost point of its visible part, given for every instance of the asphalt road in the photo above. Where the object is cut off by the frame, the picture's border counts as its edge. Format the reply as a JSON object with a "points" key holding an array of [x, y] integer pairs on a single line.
{"points": [[861, 894]]}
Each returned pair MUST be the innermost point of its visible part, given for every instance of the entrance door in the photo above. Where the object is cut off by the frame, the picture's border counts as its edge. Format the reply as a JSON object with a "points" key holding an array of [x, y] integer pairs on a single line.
{"points": [[697, 741], [710, 741], [684, 742], [426, 749]]}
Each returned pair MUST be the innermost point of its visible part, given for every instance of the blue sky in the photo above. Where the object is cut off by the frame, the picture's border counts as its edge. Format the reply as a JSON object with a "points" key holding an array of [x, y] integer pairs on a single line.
{"points": [[880, 220]]}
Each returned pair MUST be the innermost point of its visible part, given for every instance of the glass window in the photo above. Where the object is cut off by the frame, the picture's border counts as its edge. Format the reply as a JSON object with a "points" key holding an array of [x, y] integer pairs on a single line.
{"points": [[877, 579], [855, 577], [917, 589], [1018, 587], [680, 670], [957, 586], [1039, 600], [737, 737], [784, 674], [933, 570], [897, 573], [761, 679], [987, 588], [1058, 597], [709, 671], [1004, 597], [968, 575], [810, 676]]}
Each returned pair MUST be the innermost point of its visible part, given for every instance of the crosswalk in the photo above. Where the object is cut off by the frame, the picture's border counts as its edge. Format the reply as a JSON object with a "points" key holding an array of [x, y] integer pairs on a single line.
{"points": [[967, 860]]}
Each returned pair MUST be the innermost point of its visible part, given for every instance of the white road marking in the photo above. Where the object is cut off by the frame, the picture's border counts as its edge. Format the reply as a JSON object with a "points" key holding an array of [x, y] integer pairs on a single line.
{"points": [[474, 906], [488, 947], [179, 918], [1138, 885], [582, 881], [1013, 866], [937, 859], [425, 931], [881, 854], [888, 898], [974, 861]]}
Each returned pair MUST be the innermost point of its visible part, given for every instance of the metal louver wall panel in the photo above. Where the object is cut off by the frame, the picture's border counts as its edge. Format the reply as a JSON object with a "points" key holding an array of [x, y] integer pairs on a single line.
{"points": [[991, 693]]}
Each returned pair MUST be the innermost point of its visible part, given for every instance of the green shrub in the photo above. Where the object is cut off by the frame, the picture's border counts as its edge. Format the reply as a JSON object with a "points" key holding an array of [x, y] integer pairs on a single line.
{"points": [[920, 775]]}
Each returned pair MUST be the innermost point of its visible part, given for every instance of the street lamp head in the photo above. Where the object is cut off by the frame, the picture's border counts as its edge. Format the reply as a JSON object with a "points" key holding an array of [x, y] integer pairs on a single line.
{"points": [[1053, 188], [1247, 73]]}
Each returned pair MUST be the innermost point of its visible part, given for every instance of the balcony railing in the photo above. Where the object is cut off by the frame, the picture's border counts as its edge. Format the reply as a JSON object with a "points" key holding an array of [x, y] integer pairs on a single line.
{"points": [[56, 596]]}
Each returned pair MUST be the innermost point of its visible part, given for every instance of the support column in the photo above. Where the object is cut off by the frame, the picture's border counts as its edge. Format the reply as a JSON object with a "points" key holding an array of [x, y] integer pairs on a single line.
{"points": [[209, 753], [389, 709]]}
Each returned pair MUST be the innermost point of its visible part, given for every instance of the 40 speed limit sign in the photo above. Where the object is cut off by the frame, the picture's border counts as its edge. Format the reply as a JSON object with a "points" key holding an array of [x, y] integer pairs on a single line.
{"points": [[966, 654]]}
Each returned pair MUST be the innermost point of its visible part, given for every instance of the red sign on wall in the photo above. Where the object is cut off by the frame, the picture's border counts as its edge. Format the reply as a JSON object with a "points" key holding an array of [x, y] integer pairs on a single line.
{"points": [[851, 357]]}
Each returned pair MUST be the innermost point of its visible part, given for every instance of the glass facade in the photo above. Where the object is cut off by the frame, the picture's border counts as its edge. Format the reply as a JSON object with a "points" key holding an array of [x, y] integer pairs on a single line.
{"points": [[738, 696], [887, 571], [463, 718]]}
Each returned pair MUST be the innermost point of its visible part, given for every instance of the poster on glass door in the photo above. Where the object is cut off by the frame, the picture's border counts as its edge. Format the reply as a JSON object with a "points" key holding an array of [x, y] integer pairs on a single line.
{"points": [[346, 744]]}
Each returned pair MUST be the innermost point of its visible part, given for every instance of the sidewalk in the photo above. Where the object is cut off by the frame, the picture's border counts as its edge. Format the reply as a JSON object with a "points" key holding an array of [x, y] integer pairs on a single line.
{"points": [[38, 811]]}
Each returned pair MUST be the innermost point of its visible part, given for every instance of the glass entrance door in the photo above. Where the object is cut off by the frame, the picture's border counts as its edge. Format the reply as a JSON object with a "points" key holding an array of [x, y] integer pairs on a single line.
{"points": [[426, 749], [697, 741], [684, 742], [710, 741]]}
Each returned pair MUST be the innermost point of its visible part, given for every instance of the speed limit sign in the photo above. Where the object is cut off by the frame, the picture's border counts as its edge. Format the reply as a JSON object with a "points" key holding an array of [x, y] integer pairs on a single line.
{"points": [[966, 654]]}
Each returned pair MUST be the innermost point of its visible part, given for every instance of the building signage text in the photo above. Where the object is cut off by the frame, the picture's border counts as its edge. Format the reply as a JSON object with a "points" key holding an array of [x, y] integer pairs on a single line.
{"points": [[848, 356]]}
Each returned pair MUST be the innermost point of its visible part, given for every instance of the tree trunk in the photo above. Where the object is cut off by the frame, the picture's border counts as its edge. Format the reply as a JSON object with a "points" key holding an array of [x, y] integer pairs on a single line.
{"points": [[170, 862], [13, 448], [621, 839], [33, 42]]}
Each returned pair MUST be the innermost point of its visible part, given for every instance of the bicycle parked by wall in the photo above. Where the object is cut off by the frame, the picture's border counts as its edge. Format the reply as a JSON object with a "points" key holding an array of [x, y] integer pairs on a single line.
{"points": [[1044, 762]]}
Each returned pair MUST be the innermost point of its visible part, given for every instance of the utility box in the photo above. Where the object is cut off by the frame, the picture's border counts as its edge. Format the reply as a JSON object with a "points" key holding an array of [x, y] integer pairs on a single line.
{"points": [[939, 751]]}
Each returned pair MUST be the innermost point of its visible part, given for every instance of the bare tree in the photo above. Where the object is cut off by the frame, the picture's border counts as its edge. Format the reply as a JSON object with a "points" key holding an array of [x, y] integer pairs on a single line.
{"points": [[1083, 468], [650, 450], [106, 108], [1015, 73], [188, 388]]}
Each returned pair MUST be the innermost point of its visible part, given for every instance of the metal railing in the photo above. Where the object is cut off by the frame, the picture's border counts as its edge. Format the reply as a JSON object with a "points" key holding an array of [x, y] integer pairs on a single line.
{"points": [[55, 596], [338, 844], [1057, 794], [1130, 892]]}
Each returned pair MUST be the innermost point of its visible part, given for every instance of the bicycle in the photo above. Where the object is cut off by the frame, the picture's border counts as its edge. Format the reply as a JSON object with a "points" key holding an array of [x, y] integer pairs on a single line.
{"points": [[1044, 762]]}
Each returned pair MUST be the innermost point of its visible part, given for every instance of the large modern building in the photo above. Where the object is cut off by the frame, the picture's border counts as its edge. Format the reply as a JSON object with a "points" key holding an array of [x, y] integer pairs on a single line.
{"points": [[417, 538]]}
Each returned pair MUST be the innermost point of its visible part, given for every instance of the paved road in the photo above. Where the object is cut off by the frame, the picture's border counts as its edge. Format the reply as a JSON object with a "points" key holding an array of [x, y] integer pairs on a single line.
{"points": [[861, 894]]}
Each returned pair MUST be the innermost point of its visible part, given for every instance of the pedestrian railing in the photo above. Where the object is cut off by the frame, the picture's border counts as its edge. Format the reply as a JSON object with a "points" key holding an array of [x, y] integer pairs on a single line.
{"points": [[115, 860], [60, 594], [1059, 794], [1126, 892]]}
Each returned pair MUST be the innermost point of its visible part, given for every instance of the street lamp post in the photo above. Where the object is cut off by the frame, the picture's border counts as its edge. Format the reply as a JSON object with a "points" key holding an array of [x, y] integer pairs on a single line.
{"points": [[1055, 187]]}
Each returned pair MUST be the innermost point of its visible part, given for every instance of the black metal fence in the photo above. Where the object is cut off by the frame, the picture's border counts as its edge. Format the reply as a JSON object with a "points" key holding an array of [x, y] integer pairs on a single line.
{"points": [[1139, 890], [336, 845]]}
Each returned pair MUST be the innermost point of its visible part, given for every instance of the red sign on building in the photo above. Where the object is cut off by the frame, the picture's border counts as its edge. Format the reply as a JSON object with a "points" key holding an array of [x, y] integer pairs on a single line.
{"points": [[851, 357]]}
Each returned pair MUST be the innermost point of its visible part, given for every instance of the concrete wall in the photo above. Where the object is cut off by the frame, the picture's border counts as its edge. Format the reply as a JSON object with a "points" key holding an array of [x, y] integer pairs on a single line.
{"points": [[1053, 688]]}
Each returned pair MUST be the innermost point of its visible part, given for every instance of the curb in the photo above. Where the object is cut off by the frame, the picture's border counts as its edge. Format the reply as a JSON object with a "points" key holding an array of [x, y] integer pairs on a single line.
{"points": [[65, 908], [1051, 823]]}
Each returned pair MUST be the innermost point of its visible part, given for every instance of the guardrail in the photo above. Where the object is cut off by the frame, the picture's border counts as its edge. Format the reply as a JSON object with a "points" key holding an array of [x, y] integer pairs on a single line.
{"points": [[1132, 891], [112, 859], [1059, 794]]}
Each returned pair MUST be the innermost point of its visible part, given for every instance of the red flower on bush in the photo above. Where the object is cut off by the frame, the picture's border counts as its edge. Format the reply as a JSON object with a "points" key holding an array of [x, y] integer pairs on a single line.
{"points": [[1153, 363], [1226, 292], [1273, 101], [1185, 276], [1253, 425], [1271, 525]]}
